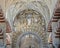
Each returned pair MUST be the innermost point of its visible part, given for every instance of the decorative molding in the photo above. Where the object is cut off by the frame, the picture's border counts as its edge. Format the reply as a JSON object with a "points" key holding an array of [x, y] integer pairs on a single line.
{"points": [[17, 7]]}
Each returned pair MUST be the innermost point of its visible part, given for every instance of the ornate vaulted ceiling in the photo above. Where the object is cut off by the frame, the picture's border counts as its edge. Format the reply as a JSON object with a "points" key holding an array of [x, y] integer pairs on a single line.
{"points": [[12, 7], [44, 7]]}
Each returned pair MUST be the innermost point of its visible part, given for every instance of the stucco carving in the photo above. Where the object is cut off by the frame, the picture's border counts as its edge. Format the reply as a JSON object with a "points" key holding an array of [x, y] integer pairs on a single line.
{"points": [[17, 7]]}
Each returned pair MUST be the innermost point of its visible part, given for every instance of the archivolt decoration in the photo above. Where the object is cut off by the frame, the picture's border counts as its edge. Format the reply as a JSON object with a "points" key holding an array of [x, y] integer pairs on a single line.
{"points": [[29, 21]]}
